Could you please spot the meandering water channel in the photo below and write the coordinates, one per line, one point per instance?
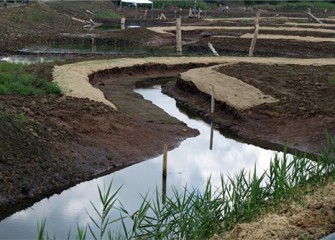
(191, 164)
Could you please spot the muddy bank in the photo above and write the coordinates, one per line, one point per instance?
(301, 118)
(300, 89)
(50, 147)
(117, 85)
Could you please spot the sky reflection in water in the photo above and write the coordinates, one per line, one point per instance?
(192, 164)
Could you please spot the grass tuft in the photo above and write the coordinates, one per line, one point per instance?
(331, 80)
(14, 79)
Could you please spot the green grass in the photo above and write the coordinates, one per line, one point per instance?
(331, 80)
(304, 5)
(107, 14)
(199, 215)
(21, 118)
(14, 79)
(186, 4)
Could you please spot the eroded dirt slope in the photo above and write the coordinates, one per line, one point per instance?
(56, 142)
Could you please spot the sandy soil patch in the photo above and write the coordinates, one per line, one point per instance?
(169, 29)
(286, 37)
(234, 92)
(314, 220)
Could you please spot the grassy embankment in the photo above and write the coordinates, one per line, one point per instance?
(17, 79)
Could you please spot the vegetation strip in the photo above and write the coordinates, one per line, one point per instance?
(15, 79)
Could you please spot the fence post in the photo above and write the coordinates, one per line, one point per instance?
(254, 39)
(164, 175)
(178, 36)
(212, 99)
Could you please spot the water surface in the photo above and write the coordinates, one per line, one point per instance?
(28, 59)
(99, 49)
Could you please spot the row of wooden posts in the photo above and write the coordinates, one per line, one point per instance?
(179, 40)
(252, 45)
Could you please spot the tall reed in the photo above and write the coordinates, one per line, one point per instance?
(192, 214)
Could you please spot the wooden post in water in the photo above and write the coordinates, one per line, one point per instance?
(94, 47)
(254, 39)
(211, 137)
(164, 175)
(123, 23)
(212, 99)
(212, 111)
(165, 159)
(178, 36)
(164, 189)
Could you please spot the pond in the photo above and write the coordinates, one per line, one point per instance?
(191, 164)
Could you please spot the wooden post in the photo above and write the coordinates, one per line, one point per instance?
(164, 180)
(312, 17)
(123, 23)
(254, 39)
(212, 99)
(165, 159)
(213, 49)
(212, 111)
(94, 47)
(178, 36)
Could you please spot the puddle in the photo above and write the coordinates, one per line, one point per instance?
(99, 50)
(191, 164)
(28, 59)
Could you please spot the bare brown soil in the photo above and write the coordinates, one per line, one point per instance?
(69, 140)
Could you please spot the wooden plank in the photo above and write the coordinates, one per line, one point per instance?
(312, 16)
(213, 49)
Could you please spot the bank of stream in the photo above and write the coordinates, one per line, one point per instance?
(192, 163)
